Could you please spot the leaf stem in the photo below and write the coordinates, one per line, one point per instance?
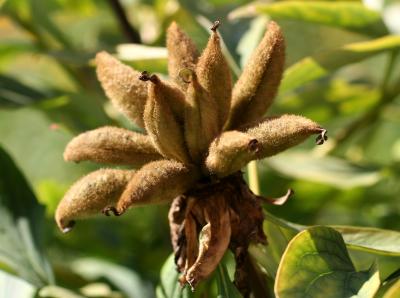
(387, 96)
(130, 32)
(253, 177)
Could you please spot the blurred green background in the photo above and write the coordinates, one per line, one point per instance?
(342, 70)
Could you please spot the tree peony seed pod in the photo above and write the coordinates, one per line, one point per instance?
(201, 120)
(163, 128)
(157, 182)
(214, 75)
(112, 145)
(90, 195)
(122, 85)
(231, 151)
(182, 53)
(256, 88)
(277, 134)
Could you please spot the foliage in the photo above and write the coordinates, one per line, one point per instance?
(342, 70)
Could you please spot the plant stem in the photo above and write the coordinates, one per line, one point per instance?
(387, 96)
(253, 177)
(130, 33)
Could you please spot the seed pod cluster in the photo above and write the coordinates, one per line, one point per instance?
(198, 136)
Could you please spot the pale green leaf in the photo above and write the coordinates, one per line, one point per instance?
(124, 279)
(21, 219)
(226, 289)
(169, 286)
(323, 63)
(57, 292)
(11, 286)
(343, 14)
(329, 170)
(375, 240)
(316, 264)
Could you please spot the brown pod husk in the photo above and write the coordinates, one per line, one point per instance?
(231, 151)
(161, 125)
(90, 194)
(214, 75)
(112, 145)
(122, 85)
(214, 239)
(258, 85)
(172, 95)
(201, 120)
(157, 182)
(277, 134)
(182, 53)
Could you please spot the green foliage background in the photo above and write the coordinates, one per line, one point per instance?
(342, 70)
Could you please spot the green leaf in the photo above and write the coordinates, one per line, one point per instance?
(316, 264)
(278, 236)
(321, 64)
(21, 226)
(151, 59)
(15, 93)
(57, 292)
(343, 14)
(393, 291)
(15, 287)
(124, 279)
(226, 289)
(327, 169)
(372, 240)
(169, 286)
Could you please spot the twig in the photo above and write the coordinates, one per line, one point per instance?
(387, 96)
(130, 33)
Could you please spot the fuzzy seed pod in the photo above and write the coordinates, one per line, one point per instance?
(163, 128)
(277, 134)
(214, 75)
(231, 151)
(201, 120)
(112, 145)
(122, 85)
(182, 53)
(157, 182)
(256, 88)
(214, 239)
(89, 195)
(172, 95)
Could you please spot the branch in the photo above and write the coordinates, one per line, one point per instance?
(130, 33)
